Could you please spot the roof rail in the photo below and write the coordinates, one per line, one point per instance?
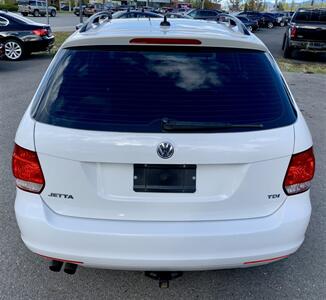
(105, 16)
(96, 20)
(232, 22)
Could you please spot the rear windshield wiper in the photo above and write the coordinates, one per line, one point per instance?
(184, 126)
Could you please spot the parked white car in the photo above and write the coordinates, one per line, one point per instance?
(163, 146)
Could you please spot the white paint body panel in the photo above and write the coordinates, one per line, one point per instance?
(235, 173)
(181, 246)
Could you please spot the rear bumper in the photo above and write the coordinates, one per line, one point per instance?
(43, 44)
(314, 46)
(156, 246)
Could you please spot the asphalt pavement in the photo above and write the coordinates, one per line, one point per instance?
(24, 275)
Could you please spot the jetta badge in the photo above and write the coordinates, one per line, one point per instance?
(165, 150)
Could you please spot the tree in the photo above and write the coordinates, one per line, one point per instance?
(251, 5)
(256, 5)
(280, 6)
(234, 5)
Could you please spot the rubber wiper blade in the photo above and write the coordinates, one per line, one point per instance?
(184, 126)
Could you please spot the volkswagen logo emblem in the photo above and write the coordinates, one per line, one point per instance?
(165, 150)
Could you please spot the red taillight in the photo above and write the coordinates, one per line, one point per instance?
(300, 172)
(40, 32)
(165, 41)
(27, 170)
(293, 31)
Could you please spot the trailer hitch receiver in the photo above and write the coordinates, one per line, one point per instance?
(163, 277)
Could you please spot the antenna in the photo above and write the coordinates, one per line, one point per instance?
(165, 22)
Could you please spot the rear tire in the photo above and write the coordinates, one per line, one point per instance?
(36, 13)
(282, 24)
(14, 50)
(53, 13)
(250, 28)
(270, 25)
(287, 50)
(24, 14)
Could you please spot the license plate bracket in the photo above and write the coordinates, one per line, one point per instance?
(164, 178)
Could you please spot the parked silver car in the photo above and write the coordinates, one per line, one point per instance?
(35, 8)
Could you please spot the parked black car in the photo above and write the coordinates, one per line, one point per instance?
(174, 15)
(282, 18)
(64, 7)
(76, 10)
(2, 50)
(306, 31)
(124, 14)
(204, 14)
(254, 16)
(125, 7)
(264, 19)
(270, 20)
(250, 24)
(288, 15)
(22, 36)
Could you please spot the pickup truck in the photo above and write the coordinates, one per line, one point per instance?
(306, 31)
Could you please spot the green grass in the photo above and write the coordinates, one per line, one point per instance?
(286, 65)
(60, 37)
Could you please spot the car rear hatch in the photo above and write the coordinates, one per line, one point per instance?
(102, 120)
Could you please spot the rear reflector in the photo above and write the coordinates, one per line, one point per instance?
(60, 259)
(265, 260)
(160, 41)
(300, 172)
(27, 170)
(40, 32)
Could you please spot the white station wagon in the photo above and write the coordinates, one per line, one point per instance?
(163, 146)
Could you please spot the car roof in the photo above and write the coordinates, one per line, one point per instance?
(121, 31)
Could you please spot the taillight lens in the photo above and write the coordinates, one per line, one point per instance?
(27, 170)
(293, 31)
(300, 172)
(40, 32)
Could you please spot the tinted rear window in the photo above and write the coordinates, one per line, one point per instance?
(133, 89)
(310, 16)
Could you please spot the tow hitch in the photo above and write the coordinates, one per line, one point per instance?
(163, 277)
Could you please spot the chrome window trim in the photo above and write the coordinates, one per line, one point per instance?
(5, 20)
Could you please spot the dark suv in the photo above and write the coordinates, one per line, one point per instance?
(35, 8)
(306, 31)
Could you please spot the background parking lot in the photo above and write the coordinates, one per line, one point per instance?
(24, 275)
